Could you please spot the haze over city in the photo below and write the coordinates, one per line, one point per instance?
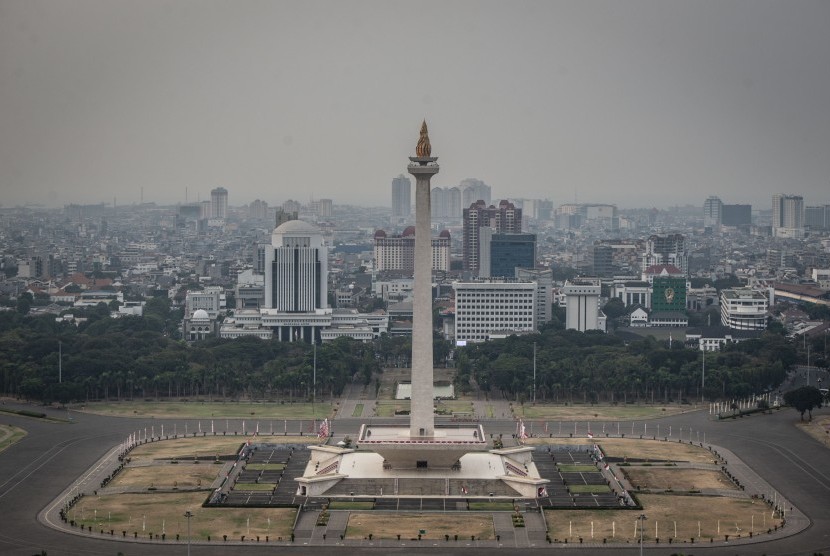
(636, 103)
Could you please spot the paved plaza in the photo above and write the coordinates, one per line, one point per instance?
(57, 459)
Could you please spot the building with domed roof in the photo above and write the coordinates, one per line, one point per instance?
(296, 282)
(199, 326)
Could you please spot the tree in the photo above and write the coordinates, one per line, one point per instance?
(804, 399)
(614, 308)
(23, 305)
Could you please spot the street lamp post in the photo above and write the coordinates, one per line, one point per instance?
(188, 514)
(314, 385)
(534, 372)
(808, 363)
(641, 518)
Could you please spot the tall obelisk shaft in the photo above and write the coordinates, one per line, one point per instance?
(421, 419)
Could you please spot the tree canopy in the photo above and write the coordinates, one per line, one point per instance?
(804, 399)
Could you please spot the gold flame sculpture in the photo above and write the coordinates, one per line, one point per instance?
(423, 149)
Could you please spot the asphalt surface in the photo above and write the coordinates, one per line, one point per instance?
(55, 456)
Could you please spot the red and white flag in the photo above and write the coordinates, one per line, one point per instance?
(590, 434)
(324, 429)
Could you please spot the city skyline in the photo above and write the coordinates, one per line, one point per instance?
(638, 104)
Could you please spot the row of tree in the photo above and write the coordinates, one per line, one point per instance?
(136, 357)
(593, 367)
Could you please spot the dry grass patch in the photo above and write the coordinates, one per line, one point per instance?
(154, 513)
(388, 526)
(168, 476)
(717, 517)
(652, 450)
(184, 448)
(209, 410)
(561, 412)
(9, 434)
(389, 408)
(677, 479)
(818, 428)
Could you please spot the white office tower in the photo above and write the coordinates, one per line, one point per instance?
(296, 269)
(582, 309)
(744, 309)
(401, 197)
(788, 216)
(489, 309)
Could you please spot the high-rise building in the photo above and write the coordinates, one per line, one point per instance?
(219, 203)
(258, 210)
(712, 212)
(397, 253)
(505, 218)
(544, 291)
(401, 197)
(743, 309)
(736, 215)
(666, 249)
(502, 254)
(445, 202)
(210, 300)
(322, 208)
(817, 218)
(296, 269)
(281, 217)
(602, 260)
(291, 206)
(473, 190)
(572, 216)
(582, 310)
(490, 307)
(787, 216)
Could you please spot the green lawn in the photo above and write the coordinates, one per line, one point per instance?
(265, 466)
(589, 489)
(576, 468)
(347, 505)
(491, 506)
(208, 410)
(358, 410)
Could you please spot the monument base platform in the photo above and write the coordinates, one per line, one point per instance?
(346, 473)
(443, 449)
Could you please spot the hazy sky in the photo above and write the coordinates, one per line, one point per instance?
(638, 103)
